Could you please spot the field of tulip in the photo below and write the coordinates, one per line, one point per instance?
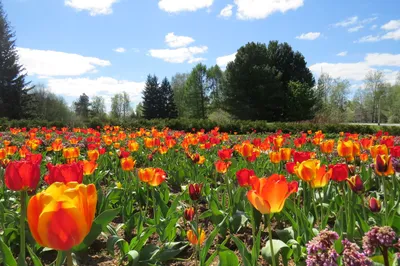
(114, 196)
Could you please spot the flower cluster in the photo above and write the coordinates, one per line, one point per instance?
(378, 237)
(352, 255)
(320, 249)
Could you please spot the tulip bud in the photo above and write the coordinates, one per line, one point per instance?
(189, 214)
(195, 191)
(356, 184)
(374, 205)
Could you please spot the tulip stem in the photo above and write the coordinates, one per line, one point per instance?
(69, 258)
(22, 255)
(386, 201)
(270, 239)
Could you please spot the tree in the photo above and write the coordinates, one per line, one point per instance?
(14, 97)
(98, 107)
(82, 106)
(197, 91)
(215, 80)
(167, 93)
(151, 98)
(49, 106)
(139, 110)
(116, 106)
(259, 83)
(179, 88)
(375, 86)
(253, 87)
(126, 105)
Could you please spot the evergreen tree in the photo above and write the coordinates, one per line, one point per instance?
(151, 98)
(82, 106)
(197, 90)
(170, 110)
(14, 97)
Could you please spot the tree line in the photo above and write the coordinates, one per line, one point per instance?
(264, 82)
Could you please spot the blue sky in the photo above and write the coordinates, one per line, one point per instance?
(103, 47)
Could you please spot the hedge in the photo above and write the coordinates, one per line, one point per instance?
(238, 126)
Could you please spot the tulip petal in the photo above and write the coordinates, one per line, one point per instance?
(259, 203)
(35, 208)
(60, 225)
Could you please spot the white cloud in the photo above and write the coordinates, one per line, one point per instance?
(226, 12)
(344, 53)
(357, 71)
(223, 61)
(95, 7)
(374, 27)
(175, 41)
(52, 63)
(102, 86)
(347, 22)
(174, 6)
(369, 38)
(393, 35)
(260, 9)
(383, 59)
(309, 36)
(180, 55)
(391, 25)
(120, 50)
(356, 28)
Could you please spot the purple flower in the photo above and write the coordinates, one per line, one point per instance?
(320, 249)
(378, 237)
(352, 255)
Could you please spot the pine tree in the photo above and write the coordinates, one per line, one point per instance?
(151, 96)
(170, 110)
(82, 106)
(14, 97)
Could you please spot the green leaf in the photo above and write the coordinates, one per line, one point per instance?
(115, 240)
(99, 225)
(244, 252)
(148, 252)
(35, 259)
(278, 246)
(285, 234)
(6, 254)
(227, 257)
(133, 257)
(170, 250)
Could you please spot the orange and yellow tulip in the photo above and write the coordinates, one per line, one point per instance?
(268, 195)
(93, 155)
(307, 170)
(327, 146)
(61, 216)
(286, 153)
(275, 157)
(152, 176)
(89, 167)
(222, 166)
(379, 150)
(193, 238)
(128, 163)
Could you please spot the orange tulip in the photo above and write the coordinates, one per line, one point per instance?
(127, 163)
(268, 195)
(11, 150)
(286, 153)
(89, 167)
(61, 216)
(278, 141)
(93, 155)
(383, 165)
(193, 238)
(152, 176)
(327, 146)
(366, 143)
(322, 177)
(345, 148)
(364, 157)
(57, 145)
(133, 146)
(275, 157)
(222, 166)
(197, 158)
(71, 154)
(307, 170)
(3, 154)
(378, 150)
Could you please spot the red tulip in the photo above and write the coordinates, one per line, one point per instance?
(301, 156)
(340, 172)
(290, 167)
(225, 154)
(195, 191)
(374, 204)
(243, 176)
(64, 173)
(24, 174)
